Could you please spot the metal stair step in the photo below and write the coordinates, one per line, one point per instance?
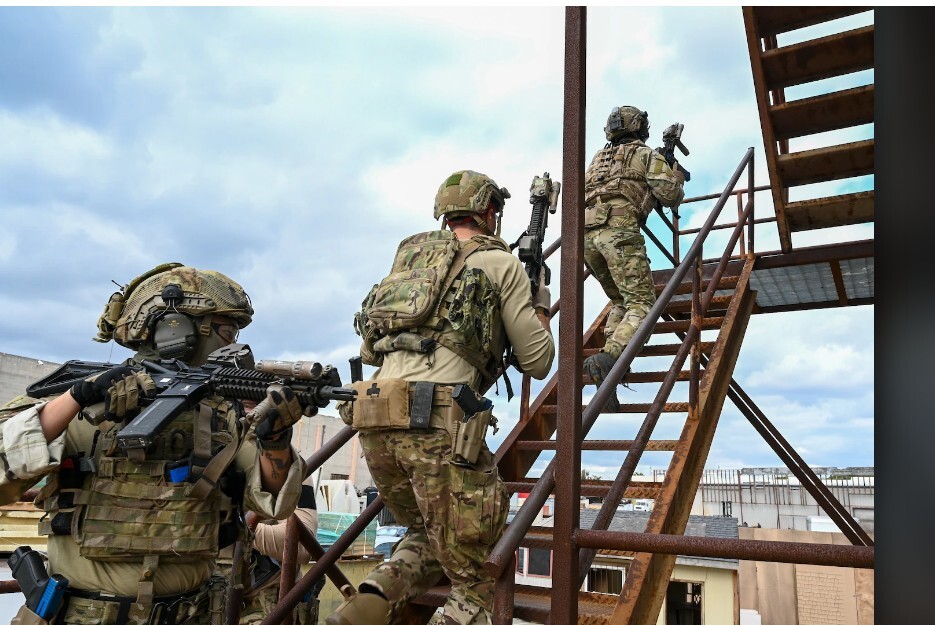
(595, 488)
(822, 113)
(598, 445)
(774, 20)
(838, 210)
(640, 377)
(816, 59)
(822, 164)
(685, 305)
(684, 288)
(668, 349)
(708, 323)
(550, 409)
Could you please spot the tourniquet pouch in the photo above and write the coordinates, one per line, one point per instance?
(25, 616)
(478, 504)
(470, 437)
(130, 509)
(382, 404)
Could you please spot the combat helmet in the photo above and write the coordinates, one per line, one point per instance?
(627, 120)
(468, 193)
(168, 308)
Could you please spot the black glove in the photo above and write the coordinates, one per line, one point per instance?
(275, 431)
(119, 388)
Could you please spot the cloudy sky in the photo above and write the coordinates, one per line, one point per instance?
(293, 148)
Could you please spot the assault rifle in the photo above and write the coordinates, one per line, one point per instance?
(671, 139)
(543, 195)
(229, 372)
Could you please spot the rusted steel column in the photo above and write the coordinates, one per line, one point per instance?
(568, 427)
(289, 556)
(743, 245)
(503, 593)
(752, 215)
(335, 551)
(858, 557)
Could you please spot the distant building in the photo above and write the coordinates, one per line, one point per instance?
(773, 498)
(701, 590)
(18, 372)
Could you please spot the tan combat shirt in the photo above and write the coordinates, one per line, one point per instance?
(532, 344)
(28, 457)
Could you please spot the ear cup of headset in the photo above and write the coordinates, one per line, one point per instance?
(175, 336)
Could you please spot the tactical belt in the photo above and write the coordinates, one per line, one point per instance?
(423, 396)
(615, 211)
(170, 604)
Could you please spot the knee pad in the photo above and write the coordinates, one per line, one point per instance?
(364, 608)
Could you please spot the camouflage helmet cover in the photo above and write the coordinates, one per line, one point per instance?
(468, 193)
(627, 120)
(126, 317)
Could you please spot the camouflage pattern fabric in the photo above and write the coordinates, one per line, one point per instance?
(474, 312)
(454, 514)
(616, 255)
(81, 611)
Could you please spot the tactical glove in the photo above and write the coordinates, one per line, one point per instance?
(275, 431)
(119, 388)
(542, 299)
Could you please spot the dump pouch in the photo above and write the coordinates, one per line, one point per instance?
(382, 404)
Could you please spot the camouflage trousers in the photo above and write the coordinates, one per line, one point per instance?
(454, 514)
(616, 255)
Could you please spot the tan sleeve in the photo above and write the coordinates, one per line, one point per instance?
(271, 537)
(25, 455)
(661, 179)
(256, 499)
(532, 344)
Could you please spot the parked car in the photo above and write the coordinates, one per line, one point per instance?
(388, 535)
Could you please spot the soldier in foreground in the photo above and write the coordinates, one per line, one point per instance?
(135, 539)
(622, 185)
(437, 327)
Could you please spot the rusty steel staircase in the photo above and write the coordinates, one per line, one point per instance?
(717, 296)
(776, 68)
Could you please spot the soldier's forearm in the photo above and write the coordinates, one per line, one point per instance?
(274, 467)
(55, 416)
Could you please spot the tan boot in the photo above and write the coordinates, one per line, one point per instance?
(364, 608)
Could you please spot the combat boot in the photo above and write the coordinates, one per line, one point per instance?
(364, 608)
(597, 367)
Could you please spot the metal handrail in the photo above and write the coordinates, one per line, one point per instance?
(504, 548)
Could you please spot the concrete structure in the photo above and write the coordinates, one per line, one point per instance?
(347, 464)
(18, 372)
(804, 594)
(701, 590)
(773, 497)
